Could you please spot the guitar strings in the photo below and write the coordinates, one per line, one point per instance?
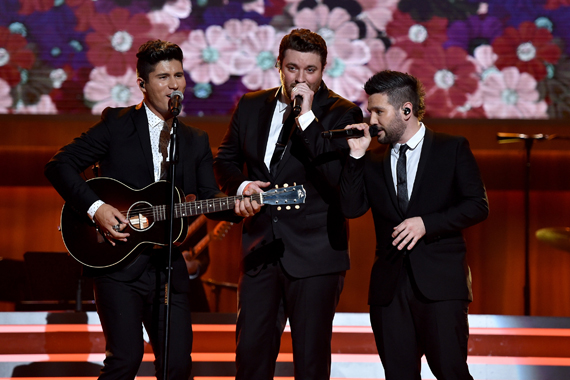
(196, 205)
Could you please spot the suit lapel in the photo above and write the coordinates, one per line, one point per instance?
(319, 99)
(264, 125)
(141, 125)
(388, 178)
(426, 149)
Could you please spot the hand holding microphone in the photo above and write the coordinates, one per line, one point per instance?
(349, 133)
(301, 93)
(297, 104)
(355, 136)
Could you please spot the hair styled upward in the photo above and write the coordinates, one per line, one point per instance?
(305, 41)
(400, 88)
(152, 52)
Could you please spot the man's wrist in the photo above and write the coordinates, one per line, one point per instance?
(94, 207)
(357, 154)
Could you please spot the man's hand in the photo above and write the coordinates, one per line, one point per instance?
(408, 233)
(303, 90)
(246, 207)
(111, 222)
(359, 145)
(192, 265)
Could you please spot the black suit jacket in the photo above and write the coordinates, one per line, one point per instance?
(120, 143)
(448, 195)
(312, 239)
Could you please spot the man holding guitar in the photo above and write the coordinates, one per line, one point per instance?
(129, 146)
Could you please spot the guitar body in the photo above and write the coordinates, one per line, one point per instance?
(88, 246)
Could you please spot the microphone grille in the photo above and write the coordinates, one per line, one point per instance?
(177, 93)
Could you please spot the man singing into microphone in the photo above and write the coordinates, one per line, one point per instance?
(294, 259)
(131, 145)
(424, 189)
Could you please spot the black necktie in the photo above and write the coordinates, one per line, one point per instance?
(402, 179)
(282, 141)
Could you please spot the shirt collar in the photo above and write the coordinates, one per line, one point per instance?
(153, 120)
(414, 141)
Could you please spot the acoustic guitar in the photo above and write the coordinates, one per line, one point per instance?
(148, 218)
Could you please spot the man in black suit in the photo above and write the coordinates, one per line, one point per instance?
(294, 260)
(131, 146)
(423, 191)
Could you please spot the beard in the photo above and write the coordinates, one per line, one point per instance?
(393, 132)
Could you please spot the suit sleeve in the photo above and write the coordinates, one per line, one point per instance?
(229, 161)
(354, 202)
(472, 206)
(327, 154)
(65, 168)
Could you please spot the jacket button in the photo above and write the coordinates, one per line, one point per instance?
(275, 219)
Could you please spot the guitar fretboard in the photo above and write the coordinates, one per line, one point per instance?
(207, 206)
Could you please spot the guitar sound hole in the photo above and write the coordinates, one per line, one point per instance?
(140, 216)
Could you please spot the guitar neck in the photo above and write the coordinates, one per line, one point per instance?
(207, 206)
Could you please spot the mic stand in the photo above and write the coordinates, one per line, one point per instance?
(167, 292)
(505, 138)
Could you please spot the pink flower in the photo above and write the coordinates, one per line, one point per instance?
(44, 107)
(208, 56)
(345, 72)
(331, 25)
(116, 40)
(376, 15)
(393, 59)
(170, 14)
(257, 57)
(254, 6)
(106, 90)
(484, 59)
(5, 98)
(511, 94)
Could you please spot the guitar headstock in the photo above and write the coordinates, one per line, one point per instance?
(285, 196)
(221, 230)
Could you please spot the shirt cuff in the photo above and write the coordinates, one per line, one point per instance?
(305, 120)
(94, 207)
(242, 186)
(356, 157)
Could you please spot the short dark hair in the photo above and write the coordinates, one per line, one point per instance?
(152, 52)
(305, 41)
(400, 88)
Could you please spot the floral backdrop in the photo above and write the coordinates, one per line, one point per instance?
(493, 59)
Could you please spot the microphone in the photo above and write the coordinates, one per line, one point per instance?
(297, 104)
(176, 102)
(349, 133)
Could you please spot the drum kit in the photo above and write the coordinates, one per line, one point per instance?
(557, 237)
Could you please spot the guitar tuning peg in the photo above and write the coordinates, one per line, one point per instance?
(285, 185)
(278, 208)
(294, 183)
(288, 207)
(276, 186)
(297, 207)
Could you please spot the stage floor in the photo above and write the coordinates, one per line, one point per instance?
(69, 345)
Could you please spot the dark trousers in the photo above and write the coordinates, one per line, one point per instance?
(265, 302)
(124, 307)
(411, 326)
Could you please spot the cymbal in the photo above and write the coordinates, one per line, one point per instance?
(558, 237)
